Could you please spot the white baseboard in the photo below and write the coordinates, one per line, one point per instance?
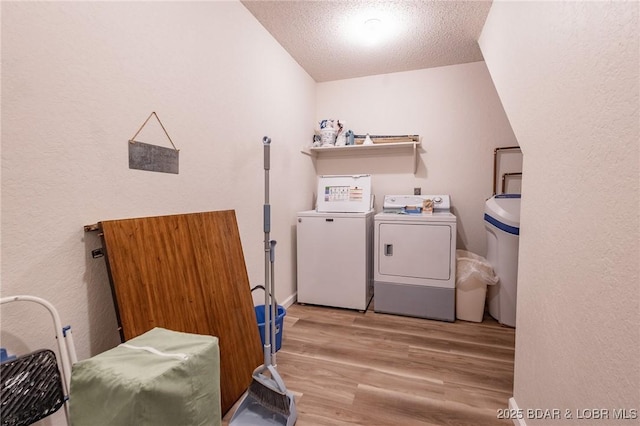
(513, 407)
(290, 300)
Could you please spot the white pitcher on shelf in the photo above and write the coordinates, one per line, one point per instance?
(328, 136)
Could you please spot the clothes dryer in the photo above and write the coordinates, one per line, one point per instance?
(414, 258)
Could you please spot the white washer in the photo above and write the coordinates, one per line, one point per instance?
(414, 258)
(335, 262)
(335, 244)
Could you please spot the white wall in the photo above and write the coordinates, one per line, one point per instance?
(458, 115)
(567, 74)
(78, 80)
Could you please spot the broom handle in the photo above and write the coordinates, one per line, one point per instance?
(266, 141)
(272, 324)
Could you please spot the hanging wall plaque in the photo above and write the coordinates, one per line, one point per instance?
(153, 158)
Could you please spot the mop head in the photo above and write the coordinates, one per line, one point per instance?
(271, 393)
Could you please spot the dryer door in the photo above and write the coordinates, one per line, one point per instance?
(414, 250)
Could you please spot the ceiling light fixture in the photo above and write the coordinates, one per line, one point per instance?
(372, 24)
(371, 27)
(372, 30)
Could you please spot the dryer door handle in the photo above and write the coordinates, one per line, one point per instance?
(388, 249)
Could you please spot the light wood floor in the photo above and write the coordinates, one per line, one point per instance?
(351, 368)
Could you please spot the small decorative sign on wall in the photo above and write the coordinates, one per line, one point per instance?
(153, 158)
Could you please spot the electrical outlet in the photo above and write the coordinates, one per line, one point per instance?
(417, 191)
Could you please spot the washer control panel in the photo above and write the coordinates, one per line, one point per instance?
(399, 202)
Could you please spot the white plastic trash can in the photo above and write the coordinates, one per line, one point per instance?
(473, 274)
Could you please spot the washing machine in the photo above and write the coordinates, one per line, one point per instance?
(335, 244)
(414, 257)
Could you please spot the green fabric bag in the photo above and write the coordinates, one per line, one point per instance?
(161, 377)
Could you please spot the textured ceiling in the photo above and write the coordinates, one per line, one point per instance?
(322, 36)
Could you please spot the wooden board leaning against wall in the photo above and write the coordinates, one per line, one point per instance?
(186, 273)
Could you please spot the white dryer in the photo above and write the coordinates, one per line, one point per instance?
(414, 257)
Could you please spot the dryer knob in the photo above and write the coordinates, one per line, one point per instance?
(437, 200)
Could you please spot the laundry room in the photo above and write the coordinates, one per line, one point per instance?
(459, 119)
(85, 84)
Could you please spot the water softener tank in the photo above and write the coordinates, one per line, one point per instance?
(502, 222)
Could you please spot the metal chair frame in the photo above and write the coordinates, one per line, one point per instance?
(64, 338)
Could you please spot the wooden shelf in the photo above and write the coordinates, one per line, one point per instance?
(365, 149)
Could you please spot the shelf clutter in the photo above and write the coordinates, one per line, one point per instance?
(375, 142)
(382, 139)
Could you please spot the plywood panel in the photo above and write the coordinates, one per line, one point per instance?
(186, 273)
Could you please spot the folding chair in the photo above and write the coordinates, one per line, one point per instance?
(32, 386)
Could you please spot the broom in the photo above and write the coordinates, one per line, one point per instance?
(270, 392)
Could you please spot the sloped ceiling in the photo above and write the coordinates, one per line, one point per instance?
(325, 37)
